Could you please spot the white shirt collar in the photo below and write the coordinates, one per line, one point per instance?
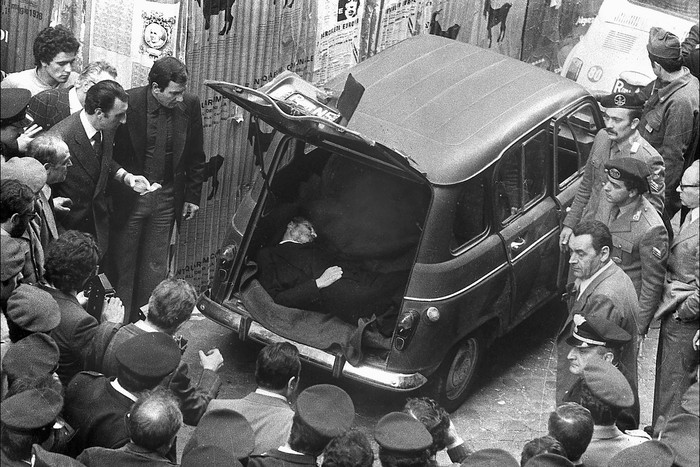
(89, 129)
(289, 450)
(145, 326)
(118, 387)
(263, 392)
(73, 101)
(585, 283)
(693, 214)
(289, 240)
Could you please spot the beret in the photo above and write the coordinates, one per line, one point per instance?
(327, 409)
(491, 458)
(628, 168)
(224, 428)
(622, 100)
(14, 101)
(12, 259)
(209, 456)
(691, 399)
(681, 435)
(663, 44)
(35, 355)
(25, 170)
(593, 330)
(31, 409)
(649, 454)
(33, 309)
(549, 460)
(608, 384)
(400, 432)
(149, 355)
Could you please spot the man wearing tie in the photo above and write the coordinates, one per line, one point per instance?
(676, 360)
(89, 135)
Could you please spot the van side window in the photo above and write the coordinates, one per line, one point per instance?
(575, 135)
(470, 220)
(521, 176)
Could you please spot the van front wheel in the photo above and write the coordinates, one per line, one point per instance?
(451, 383)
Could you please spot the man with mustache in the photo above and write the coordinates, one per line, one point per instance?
(620, 138)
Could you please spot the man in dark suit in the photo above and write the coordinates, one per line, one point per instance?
(600, 289)
(53, 105)
(89, 136)
(163, 140)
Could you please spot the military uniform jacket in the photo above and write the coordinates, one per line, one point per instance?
(608, 441)
(277, 458)
(130, 455)
(668, 122)
(589, 199)
(640, 248)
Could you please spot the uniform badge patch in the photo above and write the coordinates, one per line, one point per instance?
(658, 252)
(653, 184)
(648, 128)
(617, 259)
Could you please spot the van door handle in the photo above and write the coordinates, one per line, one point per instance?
(517, 244)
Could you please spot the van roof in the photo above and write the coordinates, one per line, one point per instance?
(452, 107)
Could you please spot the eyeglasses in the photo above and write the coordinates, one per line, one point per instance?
(683, 187)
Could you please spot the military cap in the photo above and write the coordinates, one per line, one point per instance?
(594, 330)
(691, 399)
(681, 434)
(31, 409)
(651, 453)
(209, 456)
(226, 429)
(628, 168)
(12, 258)
(400, 432)
(490, 458)
(13, 104)
(663, 44)
(608, 384)
(25, 170)
(549, 460)
(630, 82)
(33, 309)
(35, 355)
(149, 355)
(622, 100)
(327, 409)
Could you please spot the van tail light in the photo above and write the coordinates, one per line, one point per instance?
(405, 328)
(574, 69)
(224, 262)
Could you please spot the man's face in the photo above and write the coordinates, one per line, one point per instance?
(351, 9)
(618, 124)
(580, 356)
(688, 188)
(584, 260)
(10, 133)
(56, 173)
(617, 193)
(303, 233)
(170, 96)
(91, 80)
(112, 119)
(21, 221)
(60, 67)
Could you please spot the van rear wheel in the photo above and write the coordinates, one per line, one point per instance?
(451, 383)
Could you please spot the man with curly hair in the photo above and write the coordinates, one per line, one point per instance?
(55, 50)
(349, 450)
(70, 261)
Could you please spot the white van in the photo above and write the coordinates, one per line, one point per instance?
(616, 41)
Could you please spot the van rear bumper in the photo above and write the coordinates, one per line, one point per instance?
(237, 319)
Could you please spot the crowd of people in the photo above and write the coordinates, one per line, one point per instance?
(102, 177)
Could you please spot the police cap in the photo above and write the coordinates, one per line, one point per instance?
(400, 432)
(608, 384)
(593, 330)
(226, 429)
(651, 453)
(681, 434)
(490, 458)
(149, 355)
(13, 105)
(31, 409)
(327, 409)
(663, 44)
(209, 456)
(622, 100)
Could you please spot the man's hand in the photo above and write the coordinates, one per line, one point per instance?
(564, 237)
(61, 204)
(113, 310)
(329, 276)
(138, 183)
(25, 138)
(189, 210)
(212, 360)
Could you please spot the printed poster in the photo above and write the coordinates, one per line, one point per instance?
(337, 38)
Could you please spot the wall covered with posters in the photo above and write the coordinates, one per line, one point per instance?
(20, 22)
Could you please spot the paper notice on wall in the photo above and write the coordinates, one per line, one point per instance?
(337, 38)
(400, 20)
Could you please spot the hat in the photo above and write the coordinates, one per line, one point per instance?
(549, 460)
(691, 399)
(649, 454)
(208, 456)
(622, 100)
(663, 44)
(35, 355)
(224, 428)
(400, 432)
(26, 170)
(681, 434)
(13, 104)
(490, 458)
(327, 409)
(608, 384)
(630, 82)
(31, 409)
(33, 309)
(150, 355)
(12, 259)
(593, 330)
(628, 168)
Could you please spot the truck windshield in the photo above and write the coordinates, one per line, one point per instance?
(686, 8)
